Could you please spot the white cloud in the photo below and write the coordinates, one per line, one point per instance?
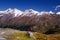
(57, 7)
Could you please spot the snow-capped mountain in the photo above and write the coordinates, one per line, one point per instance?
(30, 12)
(14, 11)
(45, 12)
(16, 16)
(51, 12)
(17, 12)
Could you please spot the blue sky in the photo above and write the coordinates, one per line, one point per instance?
(39, 5)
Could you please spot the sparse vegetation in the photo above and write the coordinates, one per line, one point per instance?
(38, 36)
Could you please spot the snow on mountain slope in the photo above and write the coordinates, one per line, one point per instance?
(58, 13)
(9, 10)
(30, 12)
(51, 12)
(45, 12)
(12, 14)
(15, 12)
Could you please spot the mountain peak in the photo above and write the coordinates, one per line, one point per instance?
(30, 12)
(9, 9)
(51, 12)
(14, 11)
(17, 12)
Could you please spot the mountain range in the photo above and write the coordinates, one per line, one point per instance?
(14, 18)
(29, 12)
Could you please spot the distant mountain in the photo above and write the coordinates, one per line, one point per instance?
(42, 21)
(15, 12)
(30, 12)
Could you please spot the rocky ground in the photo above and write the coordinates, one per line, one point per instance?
(5, 32)
(12, 34)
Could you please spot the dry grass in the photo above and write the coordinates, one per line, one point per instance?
(22, 35)
(38, 36)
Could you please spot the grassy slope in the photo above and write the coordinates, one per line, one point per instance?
(23, 36)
